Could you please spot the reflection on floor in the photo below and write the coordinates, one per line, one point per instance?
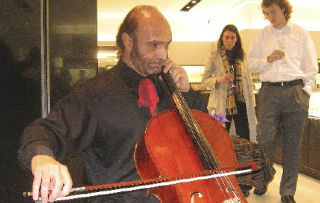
(308, 190)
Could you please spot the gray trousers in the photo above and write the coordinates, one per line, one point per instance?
(283, 111)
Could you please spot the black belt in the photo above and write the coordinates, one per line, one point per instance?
(285, 83)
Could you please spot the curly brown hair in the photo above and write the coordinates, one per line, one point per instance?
(283, 4)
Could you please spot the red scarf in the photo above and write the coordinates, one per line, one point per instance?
(148, 95)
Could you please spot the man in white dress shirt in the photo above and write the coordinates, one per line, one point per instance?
(284, 55)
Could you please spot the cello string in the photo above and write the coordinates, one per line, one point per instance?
(230, 185)
(226, 179)
(196, 133)
(195, 130)
(232, 189)
(182, 109)
(191, 121)
(223, 192)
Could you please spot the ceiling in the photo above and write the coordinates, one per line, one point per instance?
(111, 12)
(113, 7)
(205, 21)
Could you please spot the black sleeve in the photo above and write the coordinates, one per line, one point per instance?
(67, 129)
(195, 100)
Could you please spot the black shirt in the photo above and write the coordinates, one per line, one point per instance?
(102, 121)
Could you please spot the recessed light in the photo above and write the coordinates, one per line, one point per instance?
(190, 5)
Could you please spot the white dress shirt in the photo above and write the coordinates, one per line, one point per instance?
(300, 61)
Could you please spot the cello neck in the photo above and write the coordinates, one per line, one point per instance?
(204, 150)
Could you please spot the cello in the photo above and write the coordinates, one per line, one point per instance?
(172, 150)
(184, 141)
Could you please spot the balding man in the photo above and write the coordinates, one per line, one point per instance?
(105, 117)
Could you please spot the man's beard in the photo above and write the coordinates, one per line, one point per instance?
(144, 65)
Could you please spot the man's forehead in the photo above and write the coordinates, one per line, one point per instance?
(154, 26)
(154, 34)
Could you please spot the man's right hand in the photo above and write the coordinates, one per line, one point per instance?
(51, 179)
(276, 55)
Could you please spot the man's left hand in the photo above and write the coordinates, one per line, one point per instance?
(178, 74)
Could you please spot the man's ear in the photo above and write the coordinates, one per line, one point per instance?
(127, 42)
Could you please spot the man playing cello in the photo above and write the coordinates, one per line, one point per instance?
(103, 119)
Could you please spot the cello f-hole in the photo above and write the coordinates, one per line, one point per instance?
(195, 195)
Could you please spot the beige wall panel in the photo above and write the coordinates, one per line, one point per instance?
(190, 53)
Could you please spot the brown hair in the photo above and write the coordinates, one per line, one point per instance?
(237, 49)
(283, 4)
(130, 25)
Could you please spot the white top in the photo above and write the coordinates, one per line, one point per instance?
(300, 61)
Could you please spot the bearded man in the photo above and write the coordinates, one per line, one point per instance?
(106, 116)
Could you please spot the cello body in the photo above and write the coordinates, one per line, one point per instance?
(167, 151)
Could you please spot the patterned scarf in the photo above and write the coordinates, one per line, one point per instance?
(232, 92)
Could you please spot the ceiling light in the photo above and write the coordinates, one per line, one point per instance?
(189, 5)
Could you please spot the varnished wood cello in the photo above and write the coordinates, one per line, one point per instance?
(179, 145)
(187, 141)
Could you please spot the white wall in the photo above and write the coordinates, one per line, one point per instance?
(197, 53)
(316, 39)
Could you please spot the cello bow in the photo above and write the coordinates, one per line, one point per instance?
(113, 188)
